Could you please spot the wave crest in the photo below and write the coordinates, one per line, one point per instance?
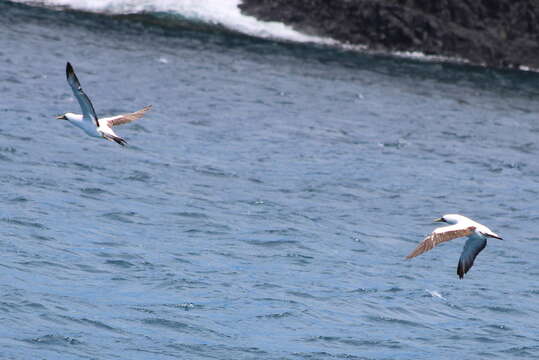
(224, 13)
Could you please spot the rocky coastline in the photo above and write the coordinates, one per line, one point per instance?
(497, 33)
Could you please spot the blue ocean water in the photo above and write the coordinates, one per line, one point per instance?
(263, 208)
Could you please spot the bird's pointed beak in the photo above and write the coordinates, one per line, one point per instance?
(61, 117)
(439, 220)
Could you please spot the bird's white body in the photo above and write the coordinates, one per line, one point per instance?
(459, 222)
(86, 126)
(89, 128)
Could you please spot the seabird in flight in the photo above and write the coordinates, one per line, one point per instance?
(88, 121)
(459, 226)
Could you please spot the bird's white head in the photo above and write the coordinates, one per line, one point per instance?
(451, 218)
(70, 117)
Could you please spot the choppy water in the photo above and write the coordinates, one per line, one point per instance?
(263, 208)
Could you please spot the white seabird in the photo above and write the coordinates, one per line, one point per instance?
(88, 121)
(459, 226)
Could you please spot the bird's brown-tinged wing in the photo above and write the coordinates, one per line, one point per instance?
(439, 236)
(127, 118)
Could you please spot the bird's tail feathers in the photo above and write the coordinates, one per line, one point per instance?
(495, 236)
(116, 139)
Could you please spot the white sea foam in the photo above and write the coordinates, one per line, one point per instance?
(222, 12)
(418, 55)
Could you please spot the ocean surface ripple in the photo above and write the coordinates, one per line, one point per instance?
(263, 208)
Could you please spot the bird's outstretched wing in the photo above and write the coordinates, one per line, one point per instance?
(84, 102)
(438, 236)
(472, 248)
(126, 118)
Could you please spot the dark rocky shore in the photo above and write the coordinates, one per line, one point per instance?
(499, 33)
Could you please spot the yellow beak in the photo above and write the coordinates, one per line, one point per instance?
(439, 220)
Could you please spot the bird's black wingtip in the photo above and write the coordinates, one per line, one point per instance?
(460, 270)
(69, 68)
